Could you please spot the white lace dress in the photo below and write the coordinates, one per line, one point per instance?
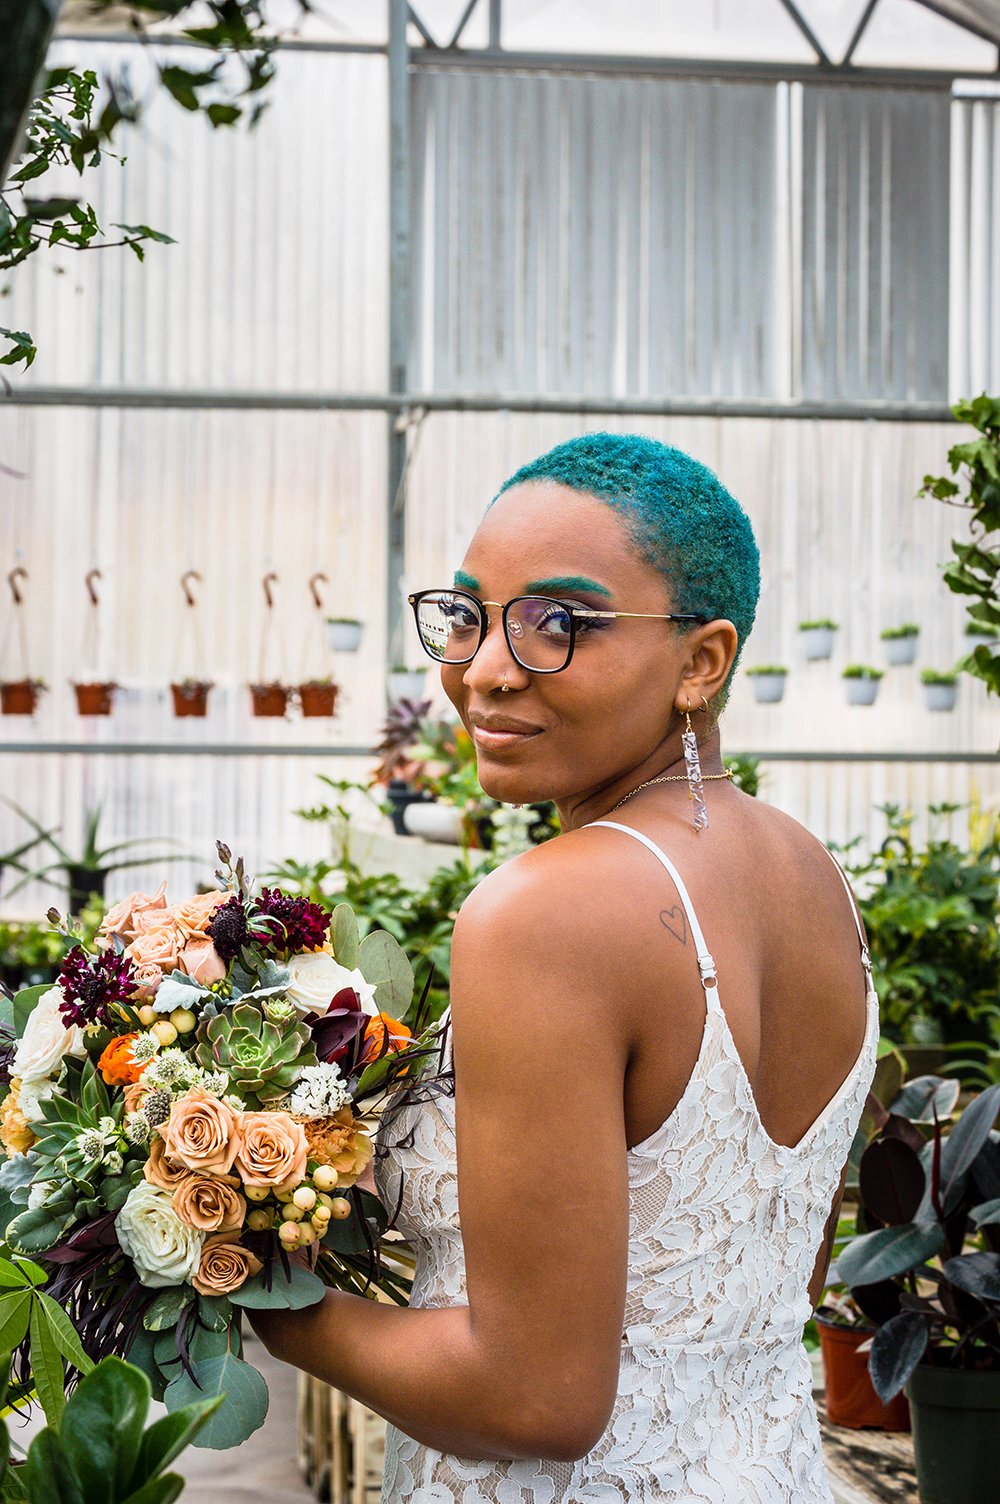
(714, 1401)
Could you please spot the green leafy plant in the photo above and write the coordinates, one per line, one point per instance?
(861, 671)
(930, 913)
(908, 629)
(765, 668)
(92, 862)
(975, 567)
(819, 623)
(925, 1265)
(936, 676)
(746, 773)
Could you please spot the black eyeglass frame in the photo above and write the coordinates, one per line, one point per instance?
(572, 611)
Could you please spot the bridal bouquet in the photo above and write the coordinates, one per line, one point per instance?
(190, 1103)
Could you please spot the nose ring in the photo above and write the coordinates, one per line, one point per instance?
(505, 687)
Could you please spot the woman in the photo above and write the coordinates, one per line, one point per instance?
(645, 1160)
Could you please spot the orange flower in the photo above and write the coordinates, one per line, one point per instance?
(340, 1141)
(225, 1265)
(377, 1031)
(15, 1130)
(117, 1063)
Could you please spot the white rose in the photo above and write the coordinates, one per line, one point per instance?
(32, 1094)
(164, 1250)
(317, 978)
(46, 1040)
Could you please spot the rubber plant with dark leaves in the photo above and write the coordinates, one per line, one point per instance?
(925, 1266)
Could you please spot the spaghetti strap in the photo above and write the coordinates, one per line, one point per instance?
(706, 964)
(866, 959)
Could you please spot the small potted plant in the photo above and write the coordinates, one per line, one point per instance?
(20, 696)
(318, 697)
(406, 683)
(817, 638)
(270, 700)
(343, 633)
(982, 631)
(940, 689)
(190, 697)
(901, 643)
(845, 1336)
(94, 696)
(927, 1275)
(861, 682)
(768, 682)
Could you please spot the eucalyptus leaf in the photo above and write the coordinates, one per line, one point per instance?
(244, 1406)
(382, 961)
(301, 1289)
(344, 935)
(141, 1354)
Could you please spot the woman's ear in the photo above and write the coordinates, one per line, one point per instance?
(713, 648)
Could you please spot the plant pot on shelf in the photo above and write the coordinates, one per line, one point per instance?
(343, 633)
(20, 696)
(956, 1418)
(318, 697)
(406, 684)
(435, 821)
(84, 881)
(190, 697)
(940, 691)
(817, 639)
(851, 1400)
(768, 684)
(900, 644)
(270, 700)
(95, 697)
(861, 684)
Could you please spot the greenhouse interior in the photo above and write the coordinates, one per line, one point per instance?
(291, 293)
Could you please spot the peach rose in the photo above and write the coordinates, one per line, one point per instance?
(148, 977)
(202, 962)
(210, 1203)
(202, 1132)
(15, 1130)
(156, 947)
(340, 1141)
(272, 1149)
(225, 1265)
(160, 1170)
(194, 917)
(122, 918)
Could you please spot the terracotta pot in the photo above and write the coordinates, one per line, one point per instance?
(318, 699)
(851, 1400)
(190, 698)
(270, 699)
(19, 696)
(95, 699)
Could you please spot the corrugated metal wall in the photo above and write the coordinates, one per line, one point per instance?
(975, 222)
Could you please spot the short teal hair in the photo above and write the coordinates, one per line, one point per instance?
(678, 514)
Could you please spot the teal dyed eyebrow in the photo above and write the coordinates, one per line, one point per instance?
(569, 582)
(466, 581)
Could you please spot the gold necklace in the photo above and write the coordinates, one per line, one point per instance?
(669, 778)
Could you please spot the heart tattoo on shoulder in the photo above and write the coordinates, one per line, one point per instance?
(675, 920)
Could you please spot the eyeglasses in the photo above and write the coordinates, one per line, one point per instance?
(541, 632)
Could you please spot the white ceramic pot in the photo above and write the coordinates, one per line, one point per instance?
(861, 691)
(406, 684)
(817, 643)
(343, 636)
(940, 696)
(768, 689)
(900, 651)
(434, 821)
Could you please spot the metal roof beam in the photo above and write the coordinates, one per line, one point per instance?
(859, 32)
(416, 21)
(807, 32)
(463, 23)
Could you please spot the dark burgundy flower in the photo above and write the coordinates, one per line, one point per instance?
(228, 929)
(296, 924)
(92, 985)
(334, 1032)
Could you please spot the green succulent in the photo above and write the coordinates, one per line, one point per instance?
(261, 1060)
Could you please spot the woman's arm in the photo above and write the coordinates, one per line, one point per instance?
(529, 1367)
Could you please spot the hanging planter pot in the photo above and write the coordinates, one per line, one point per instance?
(343, 633)
(270, 700)
(406, 684)
(817, 638)
(20, 696)
(861, 682)
(768, 683)
(940, 690)
(318, 697)
(95, 697)
(901, 644)
(190, 697)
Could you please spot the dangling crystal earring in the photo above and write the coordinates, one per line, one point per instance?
(692, 763)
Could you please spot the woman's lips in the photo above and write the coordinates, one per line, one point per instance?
(500, 741)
